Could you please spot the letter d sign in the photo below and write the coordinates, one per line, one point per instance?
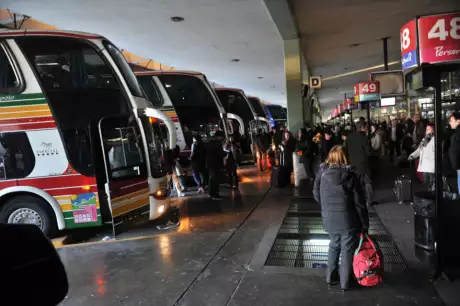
(315, 82)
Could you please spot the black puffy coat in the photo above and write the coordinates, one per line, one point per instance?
(341, 194)
(454, 149)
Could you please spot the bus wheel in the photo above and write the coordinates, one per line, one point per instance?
(29, 210)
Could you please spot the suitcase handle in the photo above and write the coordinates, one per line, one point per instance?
(361, 239)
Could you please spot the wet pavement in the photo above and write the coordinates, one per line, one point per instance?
(147, 266)
(217, 257)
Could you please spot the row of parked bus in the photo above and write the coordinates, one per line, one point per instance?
(84, 141)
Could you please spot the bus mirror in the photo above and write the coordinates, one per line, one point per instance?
(26, 256)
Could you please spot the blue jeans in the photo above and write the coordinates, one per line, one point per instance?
(458, 181)
(199, 178)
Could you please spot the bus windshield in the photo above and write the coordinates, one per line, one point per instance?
(257, 107)
(81, 88)
(195, 107)
(277, 112)
(235, 103)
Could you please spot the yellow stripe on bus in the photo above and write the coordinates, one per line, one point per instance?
(130, 195)
(20, 108)
(22, 115)
(129, 207)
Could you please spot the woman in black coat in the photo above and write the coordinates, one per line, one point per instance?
(286, 163)
(339, 190)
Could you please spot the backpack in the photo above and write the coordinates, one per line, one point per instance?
(368, 262)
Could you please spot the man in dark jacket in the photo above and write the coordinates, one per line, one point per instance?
(358, 146)
(395, 136)
(326, 144)
(262, 146)
(215, 164)
(344, 213)
(454, 149)
(419, 131)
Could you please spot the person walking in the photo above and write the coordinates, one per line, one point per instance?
(262, 146)
(359, 148)
(395, 136)
(286, 148)
(215, 164)
(307, 147)
(198, 161)
(230, 162)
(338, 190)
(376, 149)
(454, 149)
(326, 144)
(425, 152)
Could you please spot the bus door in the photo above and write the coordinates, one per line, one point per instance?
(126, 187)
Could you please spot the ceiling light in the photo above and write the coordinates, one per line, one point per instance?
(235, 60)
(177, 19)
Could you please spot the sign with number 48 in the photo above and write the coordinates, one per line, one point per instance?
(439, 38)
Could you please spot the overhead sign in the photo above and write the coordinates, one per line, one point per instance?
(315, 82)
(408, 37)
(367, 91)
(439, 38)
(349, 104)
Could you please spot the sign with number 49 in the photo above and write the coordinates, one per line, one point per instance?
(367, 91)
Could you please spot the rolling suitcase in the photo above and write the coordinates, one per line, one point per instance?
(403, 189)
(275, 176)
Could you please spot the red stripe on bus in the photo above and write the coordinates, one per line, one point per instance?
(121, 188)
(71, 190)
(6, 184)
(26, 127)
(26, 120)
(61, 181)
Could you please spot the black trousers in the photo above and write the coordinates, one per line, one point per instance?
(232, 176)
(308, 164)
(214, 182)
(344, 245)
(394, 146)
(285, 176)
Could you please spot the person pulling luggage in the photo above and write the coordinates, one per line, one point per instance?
(340, 193)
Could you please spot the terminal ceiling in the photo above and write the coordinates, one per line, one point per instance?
(343, 36)
(212, 34)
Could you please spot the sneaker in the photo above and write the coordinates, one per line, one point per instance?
(200, 190)
(181, 194)
(168, 225)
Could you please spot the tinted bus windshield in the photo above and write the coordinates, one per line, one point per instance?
(195, 107)
(277, 112)
(257, 107)
(235, 103)
(81, 88)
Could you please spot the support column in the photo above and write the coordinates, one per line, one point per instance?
(293, 73)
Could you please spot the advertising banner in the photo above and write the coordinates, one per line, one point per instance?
(439, 38)
(408, 37)
(367, 91)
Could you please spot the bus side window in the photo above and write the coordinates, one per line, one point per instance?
(17, 159)
(9, 80)
(125, 154)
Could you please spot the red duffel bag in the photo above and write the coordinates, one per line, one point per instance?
(368, 262)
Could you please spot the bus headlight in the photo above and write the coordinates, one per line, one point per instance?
(160, 194)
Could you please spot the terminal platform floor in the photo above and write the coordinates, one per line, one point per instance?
(218, 255)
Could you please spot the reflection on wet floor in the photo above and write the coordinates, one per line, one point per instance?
(199, 213)
(148, 266)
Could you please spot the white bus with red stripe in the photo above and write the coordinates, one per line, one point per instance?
(77, 148)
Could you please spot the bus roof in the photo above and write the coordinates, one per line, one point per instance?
(74, 34)
(181, 72)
